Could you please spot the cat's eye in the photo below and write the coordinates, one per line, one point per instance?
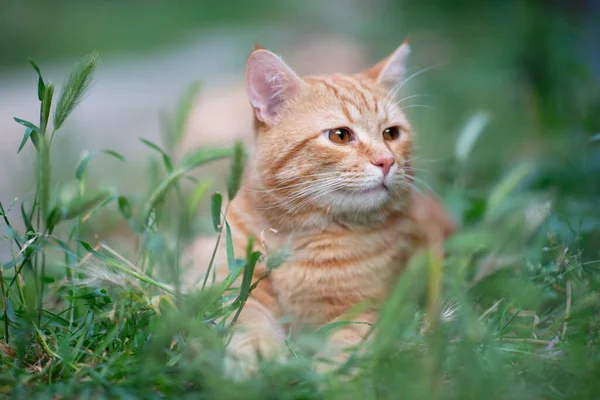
(391, 133)
(340, 135)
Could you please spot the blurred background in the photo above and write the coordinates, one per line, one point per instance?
(528, 72)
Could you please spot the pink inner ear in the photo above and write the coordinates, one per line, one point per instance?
(391, 70)
(395, 68)
(270, 83)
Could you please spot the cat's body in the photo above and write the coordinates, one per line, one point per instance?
(331, 181)
(331, 265)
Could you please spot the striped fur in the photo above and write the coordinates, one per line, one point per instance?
(348, 243)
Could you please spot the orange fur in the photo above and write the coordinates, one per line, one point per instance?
(349, 237)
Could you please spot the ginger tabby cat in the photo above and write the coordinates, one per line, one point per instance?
(332, 175)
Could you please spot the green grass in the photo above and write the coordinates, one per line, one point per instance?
(519, 299)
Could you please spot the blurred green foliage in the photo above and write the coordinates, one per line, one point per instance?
(59, 28)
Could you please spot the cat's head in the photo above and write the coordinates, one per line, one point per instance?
(337, 143)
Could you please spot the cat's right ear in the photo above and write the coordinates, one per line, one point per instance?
(270, 83)
(391, 70)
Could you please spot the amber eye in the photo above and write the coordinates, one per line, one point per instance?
(340, 135)
(391, 133)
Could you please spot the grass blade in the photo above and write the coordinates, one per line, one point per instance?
(195, 197)
(237, 171)
(84, 204)
(203, 156)
(82, 168)
(26, 124)
(28, 132)
(469, 136)
(41, 86)
(216, 202)
(231, 264)
(166, 159)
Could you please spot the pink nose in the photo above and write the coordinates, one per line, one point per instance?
(385, 163)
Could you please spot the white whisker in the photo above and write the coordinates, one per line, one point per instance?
(392, 93)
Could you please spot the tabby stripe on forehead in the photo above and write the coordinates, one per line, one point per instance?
(357, 86)
(336, 87)
(346, 113)
(343, 99)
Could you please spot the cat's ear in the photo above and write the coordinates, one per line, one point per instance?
(391, 69)
(270, 83)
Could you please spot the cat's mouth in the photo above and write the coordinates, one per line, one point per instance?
(379, 188)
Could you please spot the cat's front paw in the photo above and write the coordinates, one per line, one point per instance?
(246, 351)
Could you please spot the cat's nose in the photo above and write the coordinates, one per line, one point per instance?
(385, 163)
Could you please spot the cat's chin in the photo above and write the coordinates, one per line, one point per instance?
(363, 201)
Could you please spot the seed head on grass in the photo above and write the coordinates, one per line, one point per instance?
(75, 87)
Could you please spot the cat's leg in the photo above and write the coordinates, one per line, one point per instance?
(344, 340)
(256, 333)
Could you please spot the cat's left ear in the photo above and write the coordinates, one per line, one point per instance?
(392, 69)
(270, 84)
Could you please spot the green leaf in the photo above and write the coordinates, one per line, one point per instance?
(13, 262)
(229, 247)
(55, 319)
(41, 89)
(26, 220)
(196, 196)
(53, 219)
(237, 171)
(469, 135)
(248, 274)
(28, 132)
(81, 169)
(216, 202)
(35, 67)
(166, 159)
(108, 199)
(251, 260)
(10, 311)
(125, 208)
(87, 247)
(82, 205)
(26, 124)
(35, 139)
(159, 193)
(75, 87)
(41, 86)
(205, 155)
(114, 154)
(46, 105)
